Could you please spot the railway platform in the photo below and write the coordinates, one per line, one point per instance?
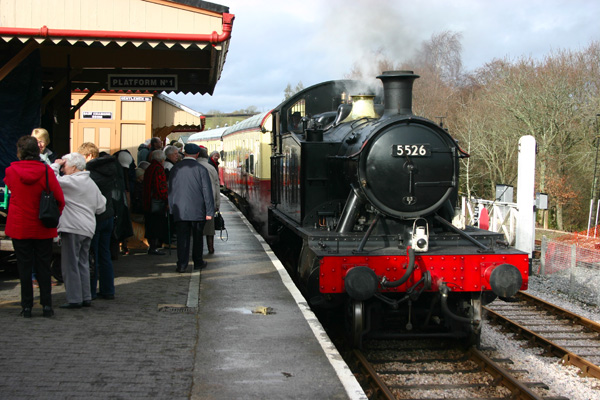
(238, 329)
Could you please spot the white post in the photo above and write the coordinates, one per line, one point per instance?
(543, 255)
(590, 217)
(526, 195)
(596, 226)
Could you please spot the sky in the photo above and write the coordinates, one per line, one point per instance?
(279, 42)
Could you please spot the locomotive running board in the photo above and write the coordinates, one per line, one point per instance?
(463, 234)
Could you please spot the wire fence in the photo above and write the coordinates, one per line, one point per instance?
(572, 261)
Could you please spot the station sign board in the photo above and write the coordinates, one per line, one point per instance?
(142, 82)
(96, 115)
(136, 98)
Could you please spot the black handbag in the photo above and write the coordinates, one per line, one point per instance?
(157, 206)
(49, 212)
(219, 222)
(220, 226)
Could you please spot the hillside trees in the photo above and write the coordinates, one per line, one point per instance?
(544, 99)
(555, 99)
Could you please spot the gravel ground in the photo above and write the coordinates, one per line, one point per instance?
(563, 380)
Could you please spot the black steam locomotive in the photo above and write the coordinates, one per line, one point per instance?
(363, 200)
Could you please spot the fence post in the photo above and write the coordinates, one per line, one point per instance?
(572, 272)
(543, 255)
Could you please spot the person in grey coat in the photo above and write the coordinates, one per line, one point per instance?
(77, 224)
(191, 203)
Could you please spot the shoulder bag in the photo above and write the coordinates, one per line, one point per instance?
(219, 221)
(49, 212)
(157, 206)
(220, 225)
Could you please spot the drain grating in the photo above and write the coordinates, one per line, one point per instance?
(176, 309)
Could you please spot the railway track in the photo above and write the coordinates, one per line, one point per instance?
(568, 336)
(426, 369)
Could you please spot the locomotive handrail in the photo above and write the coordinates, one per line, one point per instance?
(462, 233)
(363, 242)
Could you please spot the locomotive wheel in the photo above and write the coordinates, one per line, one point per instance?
(357, 320)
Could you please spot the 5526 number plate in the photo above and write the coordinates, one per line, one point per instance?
(411, 150)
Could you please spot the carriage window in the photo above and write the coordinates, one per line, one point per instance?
(251, 162)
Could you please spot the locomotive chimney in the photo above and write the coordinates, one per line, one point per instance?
(397, 92)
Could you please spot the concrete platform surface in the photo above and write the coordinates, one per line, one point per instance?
(237, 330)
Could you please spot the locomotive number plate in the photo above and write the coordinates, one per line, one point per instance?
(411, 150)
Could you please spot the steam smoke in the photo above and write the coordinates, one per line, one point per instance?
(363, 34)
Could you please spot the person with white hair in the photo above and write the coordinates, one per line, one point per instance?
(77, 224)
(172, 154)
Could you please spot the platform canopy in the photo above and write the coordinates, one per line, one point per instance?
(153, 45)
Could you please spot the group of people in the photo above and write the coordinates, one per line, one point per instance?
(92, 189)
(180, 188)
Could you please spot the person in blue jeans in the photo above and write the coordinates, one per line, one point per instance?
(103, 171)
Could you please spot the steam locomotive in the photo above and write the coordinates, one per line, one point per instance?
(362, 202)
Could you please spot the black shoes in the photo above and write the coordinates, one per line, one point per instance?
(201, 266)
(156, 252)
(86, 303)
(105, 297)
(71, 305)
(47, 312)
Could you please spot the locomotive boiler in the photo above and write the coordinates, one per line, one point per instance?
(363, 197)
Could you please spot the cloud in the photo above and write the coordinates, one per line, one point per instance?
(279, 42)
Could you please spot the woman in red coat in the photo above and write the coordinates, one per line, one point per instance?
(32, 241)
(155, 187)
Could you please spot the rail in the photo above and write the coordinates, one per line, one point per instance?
(587, 368)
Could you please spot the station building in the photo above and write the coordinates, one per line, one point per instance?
(58, 55)
(121, 121)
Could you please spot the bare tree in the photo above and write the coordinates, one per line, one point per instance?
(289, 92)
(442, 55)
(555, 100)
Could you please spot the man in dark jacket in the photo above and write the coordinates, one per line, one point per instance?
(104, 172)
(143, 151)
(191, 203)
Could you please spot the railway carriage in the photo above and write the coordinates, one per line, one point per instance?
(213, 141)
(246, 167)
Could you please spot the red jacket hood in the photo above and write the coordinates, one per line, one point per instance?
(30, 172)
